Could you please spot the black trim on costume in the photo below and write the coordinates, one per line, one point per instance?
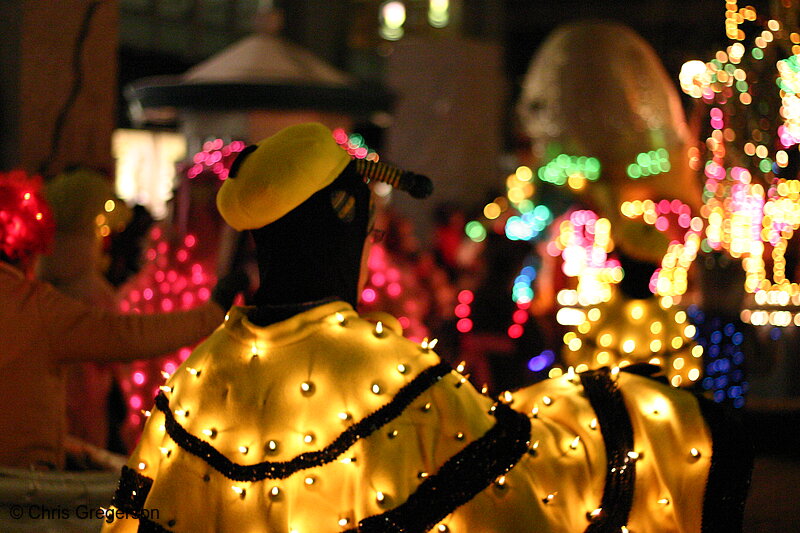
(132, 491)
(148, 526)
(283, 469)
(732, 455)
(615, 425)
(459, 479)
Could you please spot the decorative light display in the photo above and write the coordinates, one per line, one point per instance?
(396, 17)
(670, 280)
(216, 157)
(522, 291)
(570, 169)
(751, 206)
(621, 332)
(528, 223)
(392, 18)
(584, 244)
(170, 281)
(439, 13)
(355, 145)
(722, 344)
(26, 222)
(145, 167)
(649, 164)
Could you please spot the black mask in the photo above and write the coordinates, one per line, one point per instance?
(313, 253)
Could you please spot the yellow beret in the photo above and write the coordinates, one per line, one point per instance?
(78, 196)
(280, 174)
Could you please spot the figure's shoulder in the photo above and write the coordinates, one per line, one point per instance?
(321, 363)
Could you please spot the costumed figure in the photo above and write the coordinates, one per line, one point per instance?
(298, 414)
(85, 211)
(42, 330)
(605, 121)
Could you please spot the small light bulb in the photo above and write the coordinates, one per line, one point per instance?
(695, 452)
(459, 436)
(310, 480)
(574, 444)
(146, 413)
(193, 371)
(594, 514)
(462, 380)
(432, 344)
(501, 481)
(142, 466)
(484, 389)
(244, 449)
(380, 497)
(443, 528)
(424, 344)
(379, 329)
(239, 490)
(508, 397)
(535, 412)
(392, 434)
(308, 438)
(340, 319)
(347, 460)
(307, 388)
(593, 424)
(166, 451)
(534, 448)
(376, 389)
(634, 455)
(425, 408)
(549, 497)
(344, 416)
(210, 433)
(181, 412)
(165, 388)
(663, 501)
(165, 374)
(547, 400)
(344, 521)
(272, 446)
(254, 351)
(461, 366)
(422, 475)
(402, 368)
(274, 492)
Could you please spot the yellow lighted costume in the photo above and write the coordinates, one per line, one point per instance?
(598, 89)
(326, 421)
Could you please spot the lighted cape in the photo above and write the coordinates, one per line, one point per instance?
(327, 422)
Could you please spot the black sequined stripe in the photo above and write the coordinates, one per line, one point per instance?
(284, 469)
(148, 526)
(732, 455)
(132, 491)
(615, 425)
(459, 479)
